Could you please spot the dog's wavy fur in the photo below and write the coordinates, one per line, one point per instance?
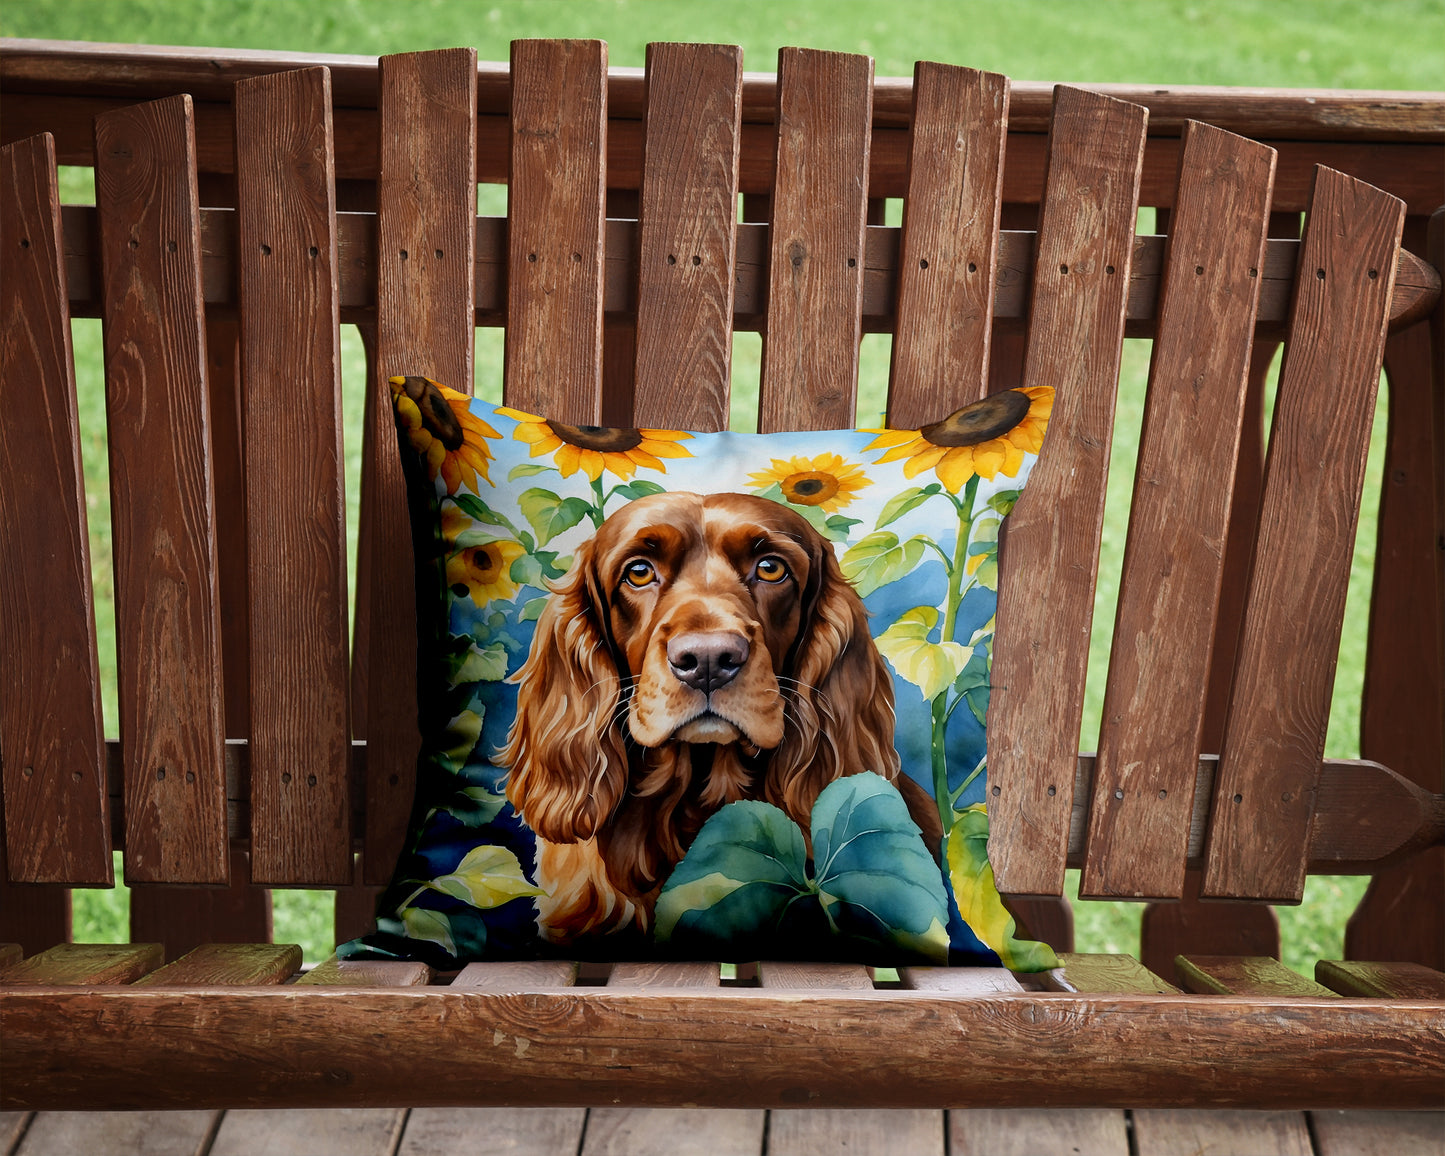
(595, 765)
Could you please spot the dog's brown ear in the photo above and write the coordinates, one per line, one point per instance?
(840, 705)
(566, 755)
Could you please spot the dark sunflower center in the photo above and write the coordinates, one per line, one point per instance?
(597, 437)
(436, 414)
(486, 562)
(980, 422)
(808, 487)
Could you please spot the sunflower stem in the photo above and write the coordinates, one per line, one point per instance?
(941, 710)
(597, 510)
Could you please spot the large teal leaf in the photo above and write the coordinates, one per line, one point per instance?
(876, 879)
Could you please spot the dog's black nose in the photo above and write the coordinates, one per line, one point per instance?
(706, 661)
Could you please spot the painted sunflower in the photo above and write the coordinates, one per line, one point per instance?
(594, 448)
(485, 571)
(988, 438)
(441, 426)
(826, 480)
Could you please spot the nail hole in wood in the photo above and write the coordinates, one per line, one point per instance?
(1163, 794)
(1053, 791)
(923, 263)
(995, 792)
(532, 257)
(1109, 269)
(133, 243)
(577, 257)
(285, 776)
(1254, 272)
(1118, 793)
(972, 268)
(1374, 273)
(672, 259)
(1239, 798)
(265, 250)
(696, 260)
(313, 251)
(76, 775)
(1063, 268)
(25, 242)
(310, 780)
(170, 246)
(1199, 270)
(437, 253)
(1319, 274)
(404, 254)
(852, 262)
(190, 776)
(28, 772)
(160, 774)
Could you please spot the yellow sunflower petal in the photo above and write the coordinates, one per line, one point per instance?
(891, 437)
(662, 449)
(593, 462)
(641, 457)
(671, 435)
(957, 466)
(567, 459)
(991, 457)
(923, 459)
(545, 445)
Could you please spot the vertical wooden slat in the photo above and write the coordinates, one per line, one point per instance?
(1051, 555)
(1275, 733)
(687, 236)
(1153, 714)
(34, 915)
(426, 220)
(286, 218)
(555, 206)
(815, 263)
(946, 268)
(168, 632)
(57, 823)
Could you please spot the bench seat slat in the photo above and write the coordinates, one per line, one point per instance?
(57, 823)
(300, 716)
(78, 964)
(1075, 340)
(814, 976)
(1243, 975)
(184, 918)
(168, 633)
(228, 963)
(1383, 980)
(1095, 972)
(1275, 733)
(1153, 712)
(335, 972)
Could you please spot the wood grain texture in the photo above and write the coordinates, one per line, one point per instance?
(1193, 926)
(228, 963)
(300, 740)
(1400, 914)
(119, 1133)
(183, 917)
(1382, 980)
(515, 1131)
(1242, 975)
(687, 236)
(1173, 1131)
(555, 206)
(34, 915)
(1031, 1131)
(1153, 714)
(10, 953)
(367, 973)
(70, 964)
(57, 823)
(426, 224)
(879, 1132)
(674, 1132)
(814, 976)
(1096, 972)
(526, 975)
(1275, 733)
(669, 975)
(895, 1049)
(1081, 274)
(959, 980)
(947, 267)
(816, 242)
(168, 632)
(322, 1132)
(1345, 1133)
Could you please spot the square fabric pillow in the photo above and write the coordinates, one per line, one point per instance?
(709, 696)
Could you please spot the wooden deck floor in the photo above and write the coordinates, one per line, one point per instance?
(697, 1132)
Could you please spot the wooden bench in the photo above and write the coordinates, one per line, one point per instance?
(247, 204)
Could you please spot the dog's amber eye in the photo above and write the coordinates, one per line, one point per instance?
(772, 569)
(639, 573)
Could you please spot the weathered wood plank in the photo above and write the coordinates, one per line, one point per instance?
(317, 1132)
(300, 821)
(1191, 925)
(85, 963)
(814, 976)
(959, 980)
(1171, 1132)
(1243, 975)
(1153, 714)
(367, 973)
(1346, 1133)
(168, 630)
(228, 963)
(948, 253)
(57, 823)
(1081, 275)
(588, 1046)
(10, 953)
(816, 260)
(555, 207)
(527, 975)
(643, 975)
(687, 236)
(867, 1132)
(674, 1132)
(516, 1131)
(183, 918)
(119, 1133)
(1032, 1131)
(426, 223)
(1096, 972)
(1383, 980)
(1275, 733)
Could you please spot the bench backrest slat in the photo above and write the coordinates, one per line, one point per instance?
(555, 208)
(426, 242)
(816, 265)
(1173, 562)
(687, 236)
(1051, 554)
(56, 814)
(300, 696)
(168, 639)
(947, 264)
(1275, 732)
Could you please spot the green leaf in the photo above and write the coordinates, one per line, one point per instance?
(528, 470)
(930, 666)
(1004, 501)
(478, 665)
(839, 526)
(479, 511)
(876, 878)
(638, 488)
(463, 731)
(815, 516)
(987, 573)
(734, 885)
(880, 558)
(532, 608)
(904, 501)
(550, 515)
(475, 806)
(431, 926)
(487, 877)
(978, 899)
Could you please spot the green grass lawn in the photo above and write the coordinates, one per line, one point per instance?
(1392, 44)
